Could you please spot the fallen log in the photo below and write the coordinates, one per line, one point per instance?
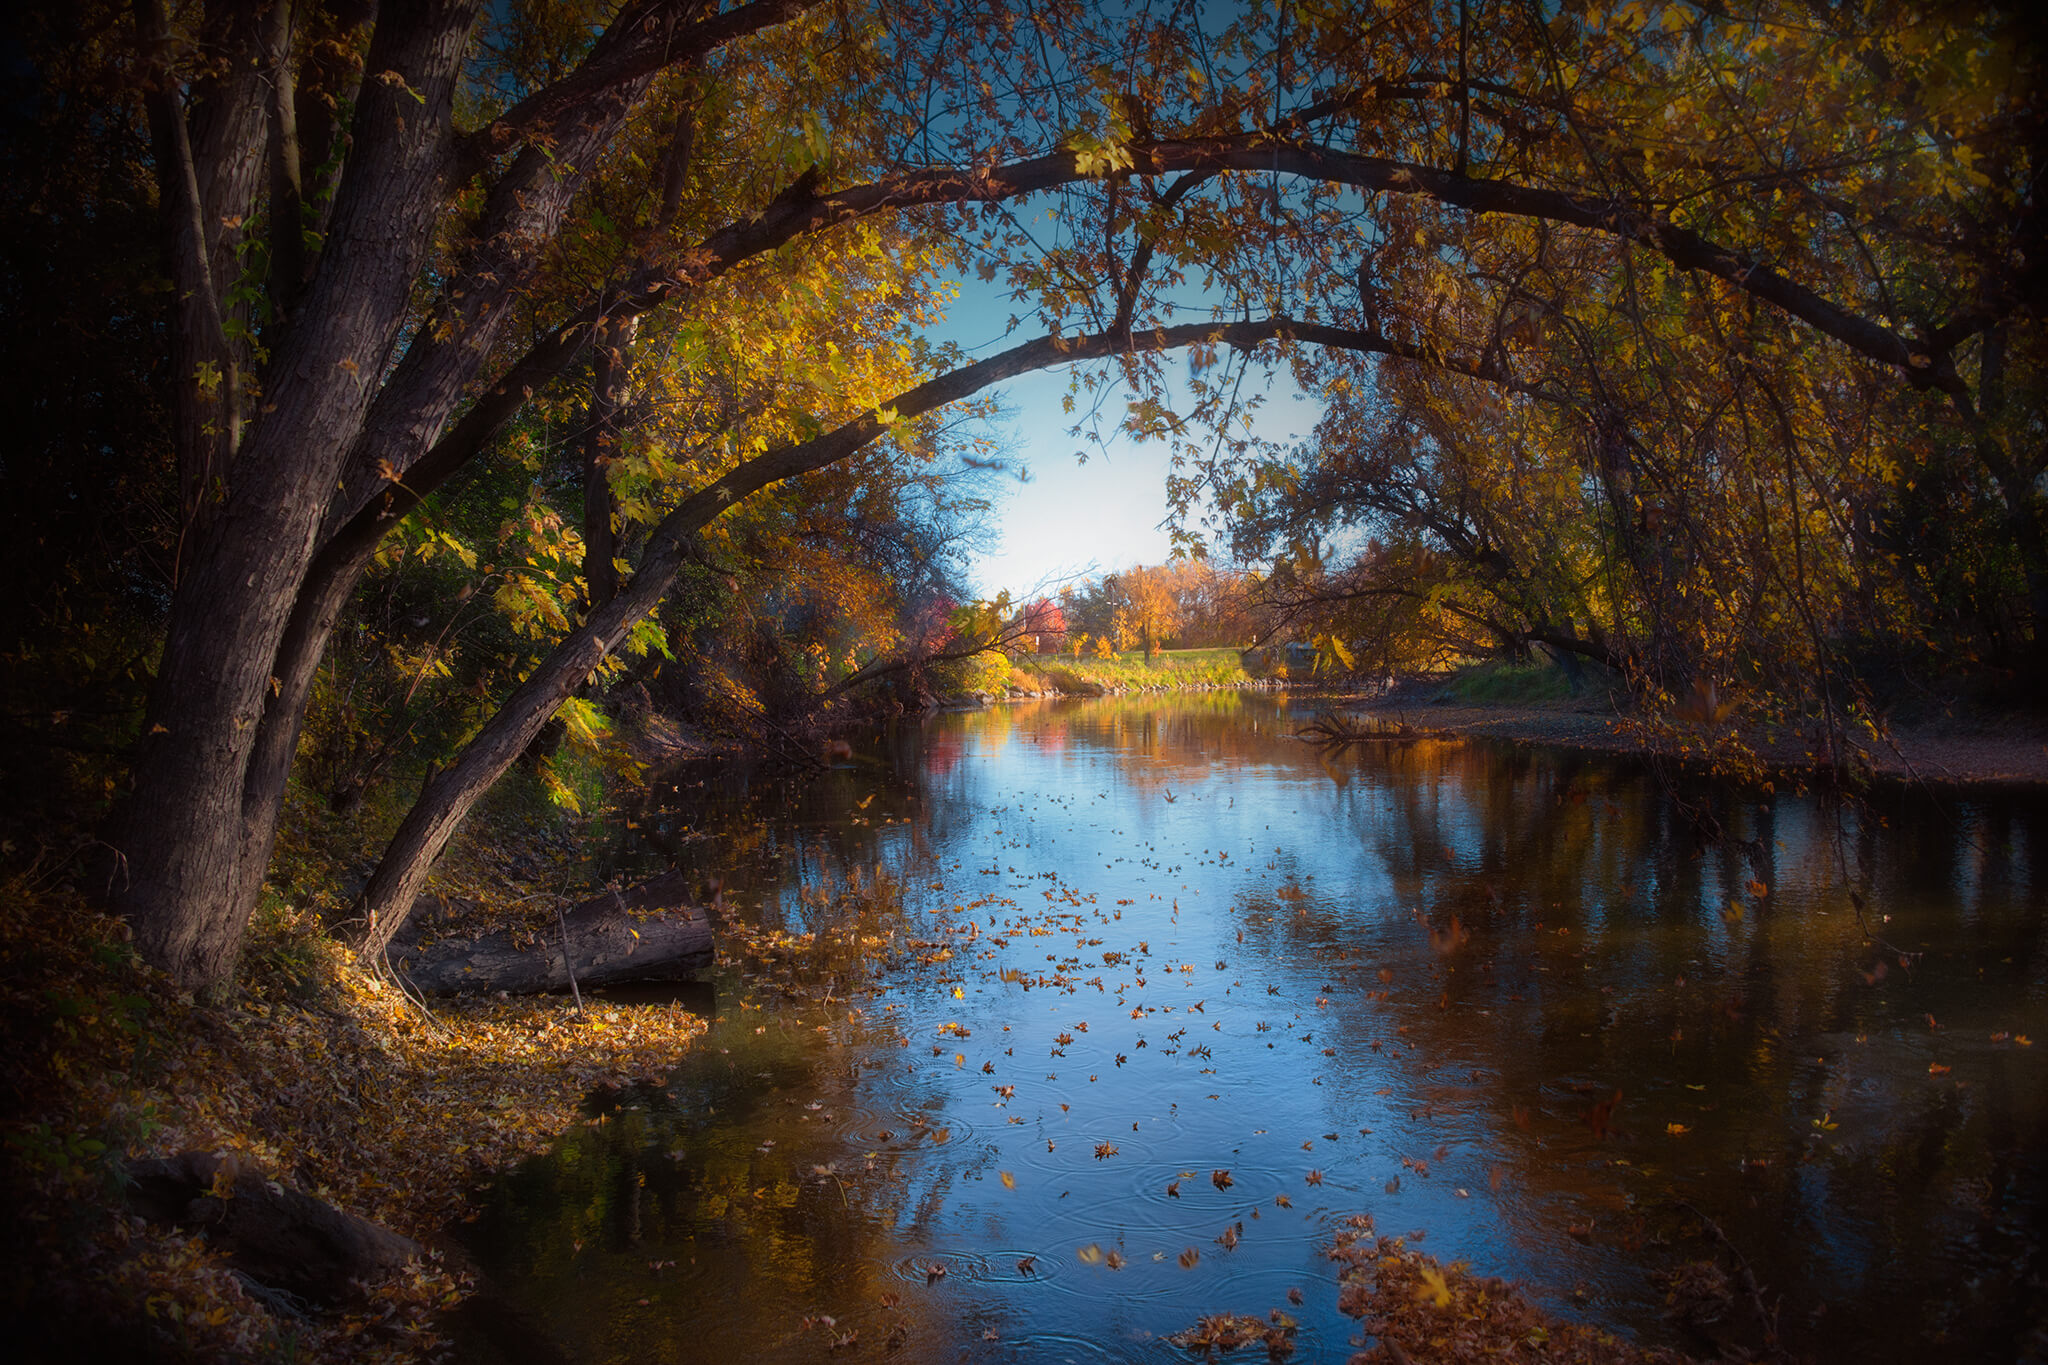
(650, 933)
(280, 1237)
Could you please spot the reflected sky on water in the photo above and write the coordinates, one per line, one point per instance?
(1170, 996)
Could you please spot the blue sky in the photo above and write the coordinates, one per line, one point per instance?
(1071, 518)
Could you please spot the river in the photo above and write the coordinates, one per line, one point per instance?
(1067, 1023)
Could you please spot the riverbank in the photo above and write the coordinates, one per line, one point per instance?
(1031, 676)
(318, 1076)
(1953, 745)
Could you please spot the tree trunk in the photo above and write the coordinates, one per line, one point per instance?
(651, 933)
(181, 834)
(610, 366)
(401, 874)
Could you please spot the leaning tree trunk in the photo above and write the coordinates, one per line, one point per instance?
(447, 799)
(610, 369)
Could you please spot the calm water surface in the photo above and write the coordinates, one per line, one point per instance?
(1144, 942)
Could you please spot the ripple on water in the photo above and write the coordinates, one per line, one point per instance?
(959, 1266)
(1076, 1142)
(1200, 1203)
(1059, 1348)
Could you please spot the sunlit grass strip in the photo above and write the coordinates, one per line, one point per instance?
(1131, 670)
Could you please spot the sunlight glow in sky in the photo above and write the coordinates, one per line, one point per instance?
(1073, 519)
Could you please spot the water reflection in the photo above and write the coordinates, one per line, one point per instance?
(1171, 995)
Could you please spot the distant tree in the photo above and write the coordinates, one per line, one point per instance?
(1153, 612)
(1043, 619)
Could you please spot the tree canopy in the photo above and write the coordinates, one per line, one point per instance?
(1688, 336)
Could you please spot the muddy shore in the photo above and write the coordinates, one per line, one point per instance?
(2007, 750)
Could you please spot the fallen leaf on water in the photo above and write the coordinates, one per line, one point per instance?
(1114, 1260)
(1025, 1264)
(1009, 1180)
(1104, 1150)
(1433, 1287)
(1090, 1254)
(1314, 1177)
(1676, 1129)
(1190, 1258)
(1173, 1189)
(1221, 1179)
(1937, 1069)
(1601, 1115)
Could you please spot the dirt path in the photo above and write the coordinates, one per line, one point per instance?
(2004, 750)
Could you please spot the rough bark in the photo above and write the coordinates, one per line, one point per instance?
(197, 828)
(181, 837)
(610, 367)
(651, 933)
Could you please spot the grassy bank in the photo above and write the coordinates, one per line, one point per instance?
(1131, 671)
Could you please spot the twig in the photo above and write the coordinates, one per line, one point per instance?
(407, 992)
(1906, 959)
(1766, 1318)
(568, 962)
